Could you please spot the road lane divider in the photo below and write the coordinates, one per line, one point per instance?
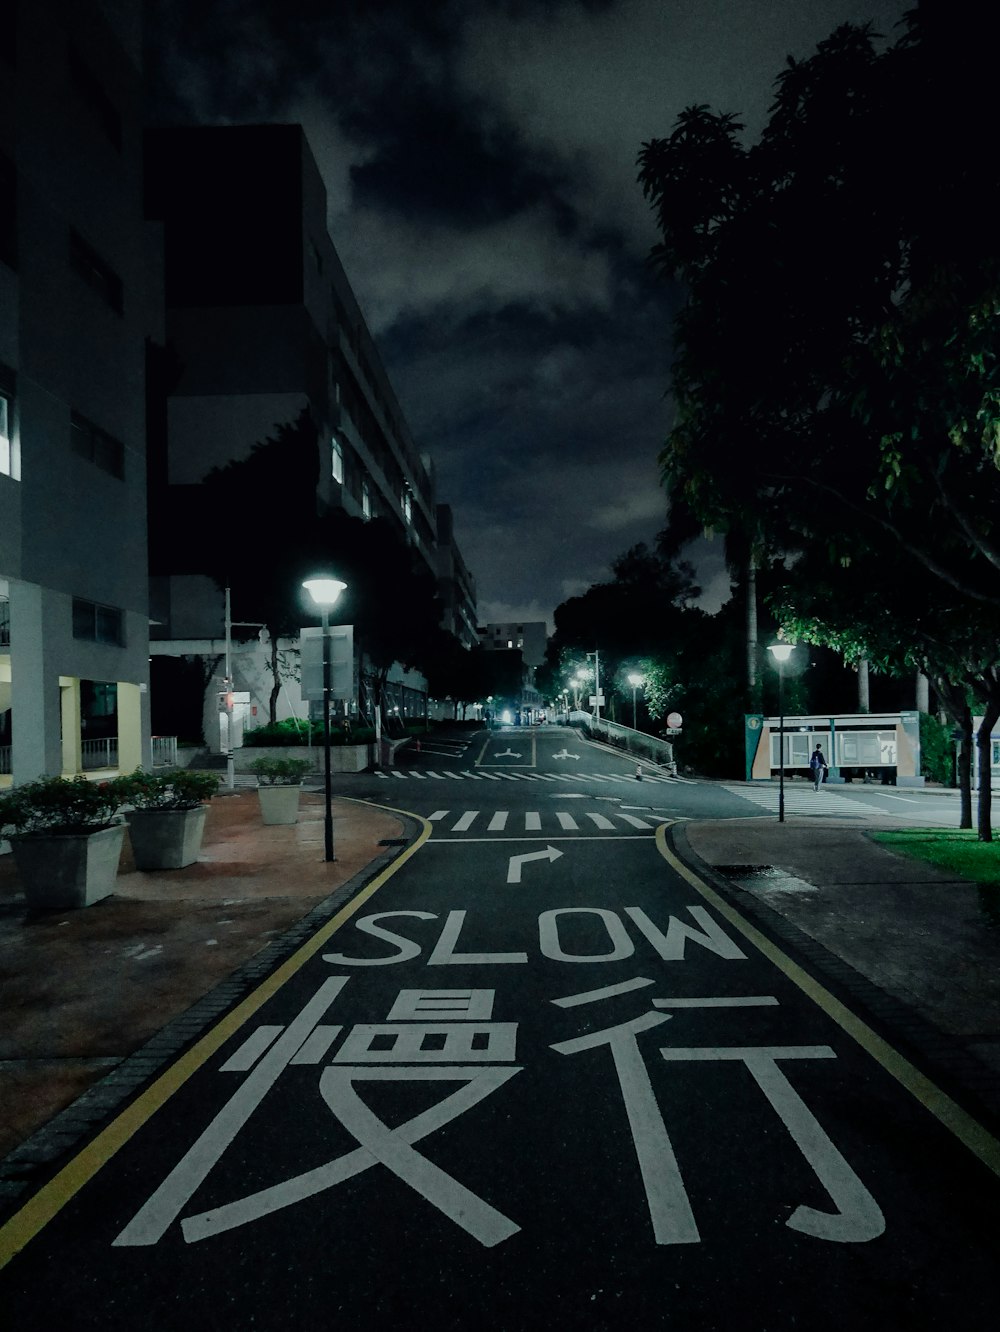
(948, 1112)
(42, 1206)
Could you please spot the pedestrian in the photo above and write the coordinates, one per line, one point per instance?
(818, 765)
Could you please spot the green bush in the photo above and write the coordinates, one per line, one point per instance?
(176, 788)
(280, 772)
(936, 750)
(54, 805)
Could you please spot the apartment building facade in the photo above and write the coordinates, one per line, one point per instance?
(262, 325)
(76, 309)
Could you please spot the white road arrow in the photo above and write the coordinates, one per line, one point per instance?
(507, 753)
(566, 754)
(514, 868)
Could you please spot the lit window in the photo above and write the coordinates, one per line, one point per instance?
(407, 506)
(5, 415)
(337, 459)
(366, 500)
(510, 642)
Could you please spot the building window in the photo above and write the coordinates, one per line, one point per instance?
(8, 384)
(8, 212)
(366, 500)
(98, 624)
(91, 91)
(97, 446)
(337, 459)
(85, 261)
(407, 506)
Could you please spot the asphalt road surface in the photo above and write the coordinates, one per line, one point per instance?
(537, 1075)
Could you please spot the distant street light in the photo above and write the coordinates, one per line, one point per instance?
(781, 652)
(635, 680)
(325, 591)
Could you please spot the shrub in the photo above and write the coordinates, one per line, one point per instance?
(54, 805)
(936, 750)
(280, 772)
(177, 788)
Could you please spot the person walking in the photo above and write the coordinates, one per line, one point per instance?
(818, 765)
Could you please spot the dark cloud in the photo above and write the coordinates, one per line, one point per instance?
(480, 161)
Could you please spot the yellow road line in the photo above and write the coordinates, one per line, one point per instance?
(39, 1210)
(962, 1125)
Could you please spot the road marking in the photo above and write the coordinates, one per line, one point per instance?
(570, 837)
(737, 1001)
(568, 822)
(50, 1199)
(421, 775)
(600, 821)
(506, 753)
(472, 776)
(438, 815)
(490, 776)
(400, 775)
(957, 1121)
(605, 992)
(635, 821)
(516, 862)
(466, 821)
(498, 822)
(532, 822)
(566, 755)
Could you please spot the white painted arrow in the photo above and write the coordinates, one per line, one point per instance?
(507, 753)
(514, 868)
(566, 754)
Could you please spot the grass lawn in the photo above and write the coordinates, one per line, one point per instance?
(957, 850)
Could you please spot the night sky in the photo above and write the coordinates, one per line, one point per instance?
(480, 160)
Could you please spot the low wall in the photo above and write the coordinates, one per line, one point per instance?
(631, 742)
(343, 758)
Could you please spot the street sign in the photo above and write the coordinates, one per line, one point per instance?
(341, 662)
(674, 720)
(597, 700)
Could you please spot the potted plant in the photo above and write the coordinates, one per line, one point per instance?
(65, 840)
(166, 821)
(279, 781)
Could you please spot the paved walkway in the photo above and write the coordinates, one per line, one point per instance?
(923, 945)
(83, 990)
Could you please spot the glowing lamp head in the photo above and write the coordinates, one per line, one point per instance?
(324, 590)
(781, 651)
(635, 680)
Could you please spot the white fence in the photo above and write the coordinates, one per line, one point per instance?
(100, 753)
(164, 751)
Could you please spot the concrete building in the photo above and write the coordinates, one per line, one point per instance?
(456, 585)
(531, 637)
(76, 307)
(262, 324)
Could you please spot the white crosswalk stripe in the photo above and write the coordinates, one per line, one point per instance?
(502, 821)
(797, 801)
(629, 779)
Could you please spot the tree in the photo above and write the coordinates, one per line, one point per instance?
(270, 536)
(836, 374)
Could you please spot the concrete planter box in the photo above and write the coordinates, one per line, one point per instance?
(279, 804)
(60, 872)
(343, 758)
(166, 838)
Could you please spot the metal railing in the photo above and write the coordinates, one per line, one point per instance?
(164, 751)
(632, 742)
(100, 753)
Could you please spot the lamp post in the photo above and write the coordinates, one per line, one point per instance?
(324, 592)
(781, 652)
(635, 680)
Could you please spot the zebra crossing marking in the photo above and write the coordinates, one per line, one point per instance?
(812, 802)
(571, 777)
(532, 822)
(567, 822)
(498, 822)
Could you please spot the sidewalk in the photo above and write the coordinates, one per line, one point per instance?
(919, 947)
(81, 991)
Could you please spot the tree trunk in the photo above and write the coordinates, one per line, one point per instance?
(965, 751)
(864, 704)
(753, 687)
(923, 693)
(984, 743)
(272, 702)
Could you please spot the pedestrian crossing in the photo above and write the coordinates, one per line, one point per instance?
(448, 774)
(550, 822)
(800, 800)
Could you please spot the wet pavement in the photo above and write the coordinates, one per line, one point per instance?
(83, 990)
(96, 1000)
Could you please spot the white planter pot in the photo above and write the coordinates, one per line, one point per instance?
(279, 804)
(60, 872)
(166, 838)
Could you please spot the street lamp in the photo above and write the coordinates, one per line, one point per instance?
(635, 680)
(781, 652)
(324, 592)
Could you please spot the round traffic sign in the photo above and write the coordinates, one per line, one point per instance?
(674, 719)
